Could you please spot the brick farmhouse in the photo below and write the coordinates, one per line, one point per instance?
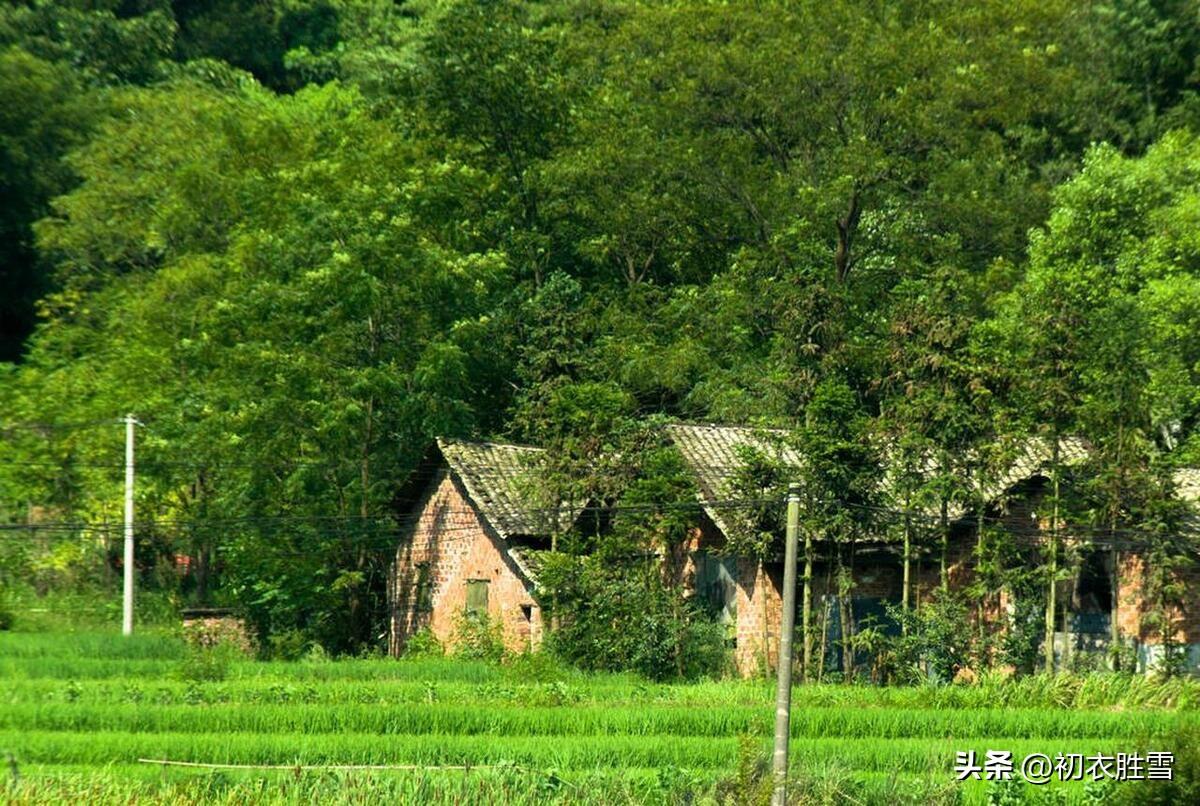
(463, 555)
(752, 590)
(474, 523)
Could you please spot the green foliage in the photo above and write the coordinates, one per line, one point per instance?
(289, 645)
(1021, 643)
(302, 238)
(935, 641)
(1184, 786)
(616, 614)
(478, 637)
(207, 663)
(751, 783)
(423, 644)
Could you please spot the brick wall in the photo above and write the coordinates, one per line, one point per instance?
(679, 566)
(927, 571)
(454, 542)
(759, 609)
(1133, 606)
(760, 601)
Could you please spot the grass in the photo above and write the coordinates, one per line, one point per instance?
(77, 711)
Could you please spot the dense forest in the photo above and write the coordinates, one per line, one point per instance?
(300, 239)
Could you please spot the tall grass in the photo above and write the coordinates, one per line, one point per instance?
(442, 719)
(919, 755)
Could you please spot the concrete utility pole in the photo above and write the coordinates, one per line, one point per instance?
(127, 615)
(783, 685)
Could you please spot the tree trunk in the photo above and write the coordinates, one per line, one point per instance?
(824, 640)
(846, 613)
(907, 583)
(1114, 609)
(847, 225)
(1068, 610)
(203, 561)
(945, 523)
(760, 583)
(980, 614)
(1052, 588)
(806, 606)
(826, 611)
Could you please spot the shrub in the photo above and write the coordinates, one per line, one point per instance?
(751, 782)
(1021, 643)
(289, 645)
(622, 617)
(423, 644)
(208, 663)
(212, 644)
(477, 637)
(539, 667)
(936, 637)
(1184, 786)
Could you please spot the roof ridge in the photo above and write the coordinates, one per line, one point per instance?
(441, 441)
(731, 427)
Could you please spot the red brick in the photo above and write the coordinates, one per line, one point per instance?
(451, 536)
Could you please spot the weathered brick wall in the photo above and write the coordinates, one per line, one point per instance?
(1134, 605)
(679, 566)
(760, 602)
(960, 567)
(759, 609)
(452, 539)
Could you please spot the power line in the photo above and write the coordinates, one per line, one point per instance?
(393, 524)
(397, 519)
(60, 426)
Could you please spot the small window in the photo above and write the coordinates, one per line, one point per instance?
(424, 592)
(477, 597)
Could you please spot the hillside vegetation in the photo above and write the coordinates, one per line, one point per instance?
(300, 239)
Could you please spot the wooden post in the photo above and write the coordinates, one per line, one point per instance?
(945, 524)
(1115, 610)
(806, 612)
(1052, 588)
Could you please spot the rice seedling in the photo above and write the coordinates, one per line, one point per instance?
(77, 714)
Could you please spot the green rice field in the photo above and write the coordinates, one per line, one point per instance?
(90, 717)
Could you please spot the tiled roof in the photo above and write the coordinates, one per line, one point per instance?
(498, 478)
(1034, 457)
(714, 454)
(1187, 484)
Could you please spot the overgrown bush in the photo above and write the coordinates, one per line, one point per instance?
(288, 645)
(477, 637)
(539, 667)
(1021, 643)
(208, 663)
(623, 617)
(751, 783)
(935, 640)
(423, 644)
(1184, 786)
(212, 645)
